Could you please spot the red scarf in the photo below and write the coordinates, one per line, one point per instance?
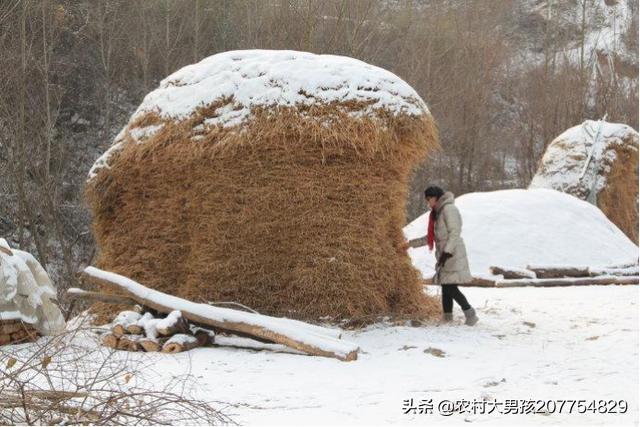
(431, 229)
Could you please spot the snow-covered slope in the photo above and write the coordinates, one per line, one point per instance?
(563, 163)
(516, 228)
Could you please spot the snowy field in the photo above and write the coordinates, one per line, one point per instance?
(566, 343)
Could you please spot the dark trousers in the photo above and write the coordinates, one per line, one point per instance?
(451, 293)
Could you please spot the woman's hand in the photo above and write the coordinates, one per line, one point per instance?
(443, 258)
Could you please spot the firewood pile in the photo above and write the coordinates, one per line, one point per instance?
(136, 331)
(187, 324)
(16, 332)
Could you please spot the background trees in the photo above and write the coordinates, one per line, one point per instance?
(501, 77)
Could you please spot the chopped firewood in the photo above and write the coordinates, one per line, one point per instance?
(134, 329)
(110, 340)
(203, 336)
(119, 330)
(129, 342)
(237, 322)
(173, 324)
(179, 343)
(150, 344)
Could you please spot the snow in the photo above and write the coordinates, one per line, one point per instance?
(325, 342)
(27, 293)
(517, 228)
(530, 343)
(563, 164)
(126, 318)
(242, 80)
(181, 339)
(171, 319)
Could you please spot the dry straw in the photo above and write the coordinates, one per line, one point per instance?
(298, 212)
(619, 198)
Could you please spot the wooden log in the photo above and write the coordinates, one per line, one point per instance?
(129, 343)
(110, 340)
(179, 343)
(233, 321)
(475, 282)
(179, 326)
(622, 271)
(569, 281)
(550, 272)
(203, 336)
(150, 344)
(511, 273)
(119, 330)
(135, 329)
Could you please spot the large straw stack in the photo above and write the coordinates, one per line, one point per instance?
(276, 179)
(597, 162)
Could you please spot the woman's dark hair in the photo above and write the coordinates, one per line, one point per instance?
(433, 191)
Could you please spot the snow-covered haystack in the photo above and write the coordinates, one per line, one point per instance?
(276, 179)
(518, 228)
(597, 162)
(27, 297)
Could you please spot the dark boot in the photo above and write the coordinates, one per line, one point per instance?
(470, 316)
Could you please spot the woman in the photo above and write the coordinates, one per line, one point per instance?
(452, 267)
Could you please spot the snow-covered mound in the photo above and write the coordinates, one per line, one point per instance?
(516, 228)
(270, 78)
(233, 83)
(562, 167)
(26, 292)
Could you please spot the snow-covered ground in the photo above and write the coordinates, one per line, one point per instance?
(567, 343)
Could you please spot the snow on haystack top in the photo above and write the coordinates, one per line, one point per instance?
(269, 78)
(562, 165)
(517, 228)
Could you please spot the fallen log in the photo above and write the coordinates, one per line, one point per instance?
(609, 271)
(513, 273)
(569, 281)
(475, 281)
(179, 343)
(76, 293)
(553, 272)
(233, 321)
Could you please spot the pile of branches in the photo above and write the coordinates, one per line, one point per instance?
(59, 381)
